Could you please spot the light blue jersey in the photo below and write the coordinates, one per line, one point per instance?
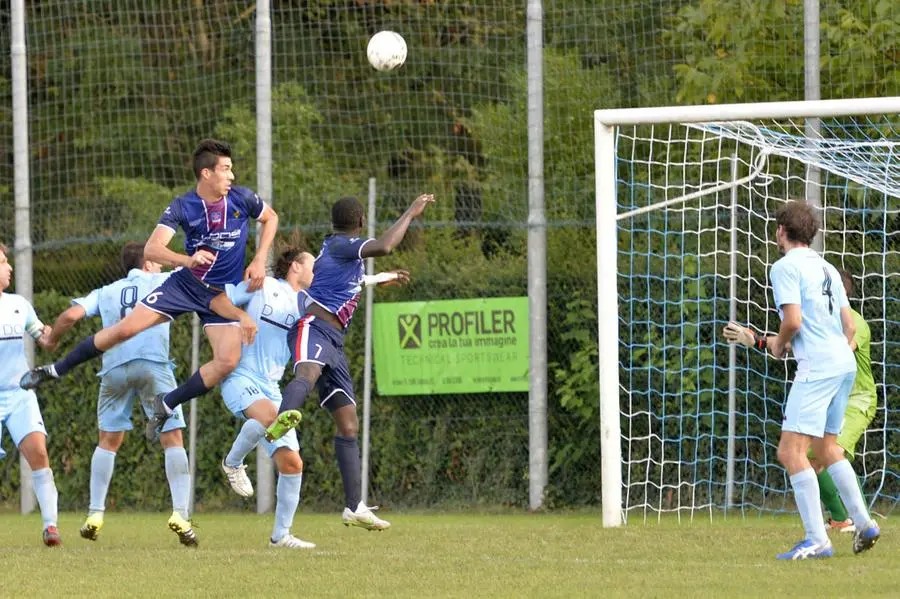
(821, 349)
(17, 319)
(274, 308)
(116, 300)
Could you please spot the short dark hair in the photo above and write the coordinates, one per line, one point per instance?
(208, 153)
(285, 259)
(132, 255)
(849, 285)
(4, 249)
(799, 221)
(346, 214)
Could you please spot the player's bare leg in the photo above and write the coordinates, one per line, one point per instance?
(290, 477)
(259, 415)
(140, 319)
(34, 449)
(225, 341)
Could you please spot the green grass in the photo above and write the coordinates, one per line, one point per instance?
(435, 555)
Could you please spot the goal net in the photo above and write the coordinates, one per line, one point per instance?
(698, 421)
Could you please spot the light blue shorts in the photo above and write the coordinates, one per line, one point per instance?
(137, 379)
(815, 408)
(240, 390)
(20, 414)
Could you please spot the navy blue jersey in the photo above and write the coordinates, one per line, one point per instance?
(220, 228)
(338, 276)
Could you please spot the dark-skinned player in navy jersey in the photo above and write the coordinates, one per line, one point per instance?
(317, 341)
(215, 217)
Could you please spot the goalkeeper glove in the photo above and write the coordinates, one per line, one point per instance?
(735, 333)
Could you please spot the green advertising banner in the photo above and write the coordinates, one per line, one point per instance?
(451, 346)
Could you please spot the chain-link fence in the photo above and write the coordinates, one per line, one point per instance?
(119, 94)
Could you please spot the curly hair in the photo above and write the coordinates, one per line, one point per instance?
(285, 259)
(799, 221)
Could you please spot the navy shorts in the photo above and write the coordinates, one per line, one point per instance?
(183, 292)
(312, 340)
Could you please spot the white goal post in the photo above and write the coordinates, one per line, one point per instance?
(609, 182)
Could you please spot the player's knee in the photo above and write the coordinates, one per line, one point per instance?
(288, 461)
(171, 439)
(349, 430)
(34, 448)
(785, 455)
(111, 441)
(227, 362)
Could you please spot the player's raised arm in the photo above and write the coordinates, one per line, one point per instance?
(256, 271)
(389, 240)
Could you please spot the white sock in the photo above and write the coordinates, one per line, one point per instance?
(845, 480)
(47, 497)
(806, 494)
(179, 474)
(287, 493)
(102, 465)
(251, 433)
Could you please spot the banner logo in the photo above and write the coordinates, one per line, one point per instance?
(410, 326)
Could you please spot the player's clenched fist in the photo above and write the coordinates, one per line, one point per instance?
(201, 258)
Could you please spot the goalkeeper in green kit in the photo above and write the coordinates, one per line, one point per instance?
(860, 406)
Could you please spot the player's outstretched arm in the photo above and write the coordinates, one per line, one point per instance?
(256, 271)
(387, 279)
(736, 333)
(64, 323)
(391, 238)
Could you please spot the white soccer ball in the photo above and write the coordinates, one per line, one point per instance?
(386, 50)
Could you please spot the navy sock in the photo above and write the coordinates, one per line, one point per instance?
(347, 452)
(295, 394)
(191, 388)
(83, 352)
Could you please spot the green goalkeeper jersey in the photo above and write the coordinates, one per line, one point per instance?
(863, 395)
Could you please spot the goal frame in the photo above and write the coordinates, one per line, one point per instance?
(605, 124)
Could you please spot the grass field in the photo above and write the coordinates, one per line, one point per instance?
(429, 555)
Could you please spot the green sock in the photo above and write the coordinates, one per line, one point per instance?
(831, 498)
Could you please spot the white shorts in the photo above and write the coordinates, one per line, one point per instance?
(121, 386)
(815, 408)
(240, 390)
(20, 414)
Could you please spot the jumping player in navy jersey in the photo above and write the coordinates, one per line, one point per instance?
(317, 341)
(215, 217)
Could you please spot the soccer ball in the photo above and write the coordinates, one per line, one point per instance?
(386, 51)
